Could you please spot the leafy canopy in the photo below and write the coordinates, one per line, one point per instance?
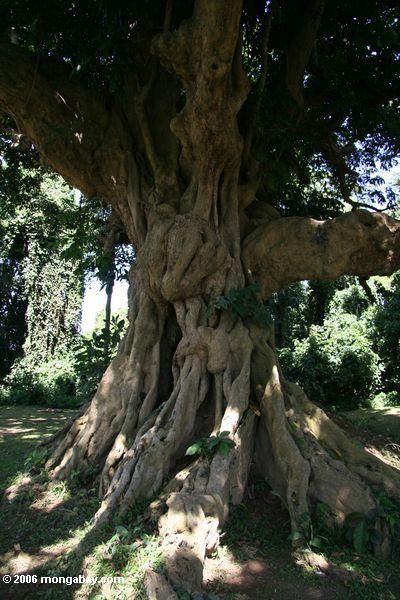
(313, 156)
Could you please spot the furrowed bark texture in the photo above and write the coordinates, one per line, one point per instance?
(184, 369)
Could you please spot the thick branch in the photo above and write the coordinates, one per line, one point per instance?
(69, 123)
(205, 54)
(294, 248)
(85, 140)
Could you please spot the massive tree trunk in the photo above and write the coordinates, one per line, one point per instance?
(185, 369)
(184, 372)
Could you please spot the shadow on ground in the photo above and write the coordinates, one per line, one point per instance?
(382, 421)
(46, 531)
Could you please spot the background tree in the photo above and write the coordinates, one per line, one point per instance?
(348, 355)
(50, 243)
(43, 285)
(218, 131)
(12, 308)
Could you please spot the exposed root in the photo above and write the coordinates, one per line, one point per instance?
(289, 471)
(331, 437)
(307, 458)
(157, 587)
(139, 441)
(197, 499)
(162, 438)
(140, 437)
(126, 397)
(190, 528)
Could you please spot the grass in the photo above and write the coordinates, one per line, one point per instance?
(48, 530)
(21, 429)
(50, 522)
(379, 421)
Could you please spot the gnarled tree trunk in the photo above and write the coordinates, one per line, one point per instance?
(184, 372)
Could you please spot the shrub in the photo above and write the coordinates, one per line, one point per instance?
(63, 381)
(336, 364)
(351, 300)
(52, 383)
(94, 354)
(385, 400)
(384, 331)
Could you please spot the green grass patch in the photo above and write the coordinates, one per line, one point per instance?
(382, 421)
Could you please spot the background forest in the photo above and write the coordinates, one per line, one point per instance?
(52, 242)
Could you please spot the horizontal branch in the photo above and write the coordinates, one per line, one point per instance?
(291, 249)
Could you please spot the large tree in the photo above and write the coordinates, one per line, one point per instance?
(221, 131)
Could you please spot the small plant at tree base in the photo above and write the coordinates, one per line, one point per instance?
(209, 446)
(363, 531)
(308, 536)
(35, 461)
(360, 531)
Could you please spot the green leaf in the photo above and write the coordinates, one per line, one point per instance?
(193, 449)
(212, 441)
(225, 446)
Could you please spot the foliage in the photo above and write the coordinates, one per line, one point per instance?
(336, 364)
(363, 531)
(50, 383)
(209, 446)
(37, 215)
(360, 531)
(98, 43)
(49, 242)
(243, 302)
(351, 300)
(290, 309)
(13, 305)
(384, 328)
(93, 354)
(35, 461)
(65, 380)
(309, 534)
(385, 399)
(342, 348)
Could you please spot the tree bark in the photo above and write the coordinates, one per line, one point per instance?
(224, 371)
(284, 250)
